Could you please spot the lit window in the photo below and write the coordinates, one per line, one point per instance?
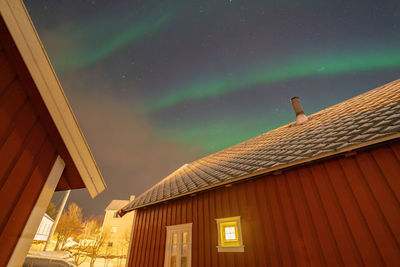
(113, 229)
(178, 247)
(229, 235)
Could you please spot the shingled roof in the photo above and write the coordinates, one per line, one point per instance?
(364, 120)
(117, 204)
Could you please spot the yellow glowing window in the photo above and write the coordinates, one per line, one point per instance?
(229, 235)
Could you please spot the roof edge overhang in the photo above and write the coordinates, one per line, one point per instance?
(274, 169)
(38, 64)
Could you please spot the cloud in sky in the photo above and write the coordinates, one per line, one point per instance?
(330, 64)
(124, 144)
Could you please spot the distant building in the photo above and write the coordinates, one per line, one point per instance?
(322, 191)
(42, 148)
(44, 229)
(117, 229)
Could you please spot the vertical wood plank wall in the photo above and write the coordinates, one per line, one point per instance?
(26, 157)
(336, 212)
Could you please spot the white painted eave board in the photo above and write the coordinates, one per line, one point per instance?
(32, 51)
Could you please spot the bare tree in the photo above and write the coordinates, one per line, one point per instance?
(95, 238)
(94, 250)
(126, 238)
(70, 225)
(90, 240)
(123, 243)
(79, 253)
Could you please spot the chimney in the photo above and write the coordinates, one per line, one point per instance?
(300, 116)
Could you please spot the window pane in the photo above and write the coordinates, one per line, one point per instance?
(174, 249)
(184, 251)
(184, 237)
(184, 261)
(230, 233)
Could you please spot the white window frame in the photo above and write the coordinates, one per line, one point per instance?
(168, 243)
(220, 246)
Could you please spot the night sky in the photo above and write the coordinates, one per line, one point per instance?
(157, 84)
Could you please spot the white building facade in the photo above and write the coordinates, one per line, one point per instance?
(44, 229)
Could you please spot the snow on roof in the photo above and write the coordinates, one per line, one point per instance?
(117, 204)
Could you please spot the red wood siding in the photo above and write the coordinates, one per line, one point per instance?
(12, 66)
(342, 211)
(26, 157)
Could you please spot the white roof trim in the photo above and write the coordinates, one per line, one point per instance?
(31, 49)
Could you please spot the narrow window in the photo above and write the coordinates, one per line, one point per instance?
(113, 229)
(230, 235)
(178, 248)
(116, 215)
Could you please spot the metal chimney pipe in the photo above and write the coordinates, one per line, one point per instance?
(300, 116)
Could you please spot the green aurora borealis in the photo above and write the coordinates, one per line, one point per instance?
(352, 61)
(94, 42)
(215, 135)
(156, 84)
(105, 36)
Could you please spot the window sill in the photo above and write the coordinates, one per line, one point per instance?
(231, 249)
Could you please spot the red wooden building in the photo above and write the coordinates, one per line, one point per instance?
(42, 148)
(322, 191)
